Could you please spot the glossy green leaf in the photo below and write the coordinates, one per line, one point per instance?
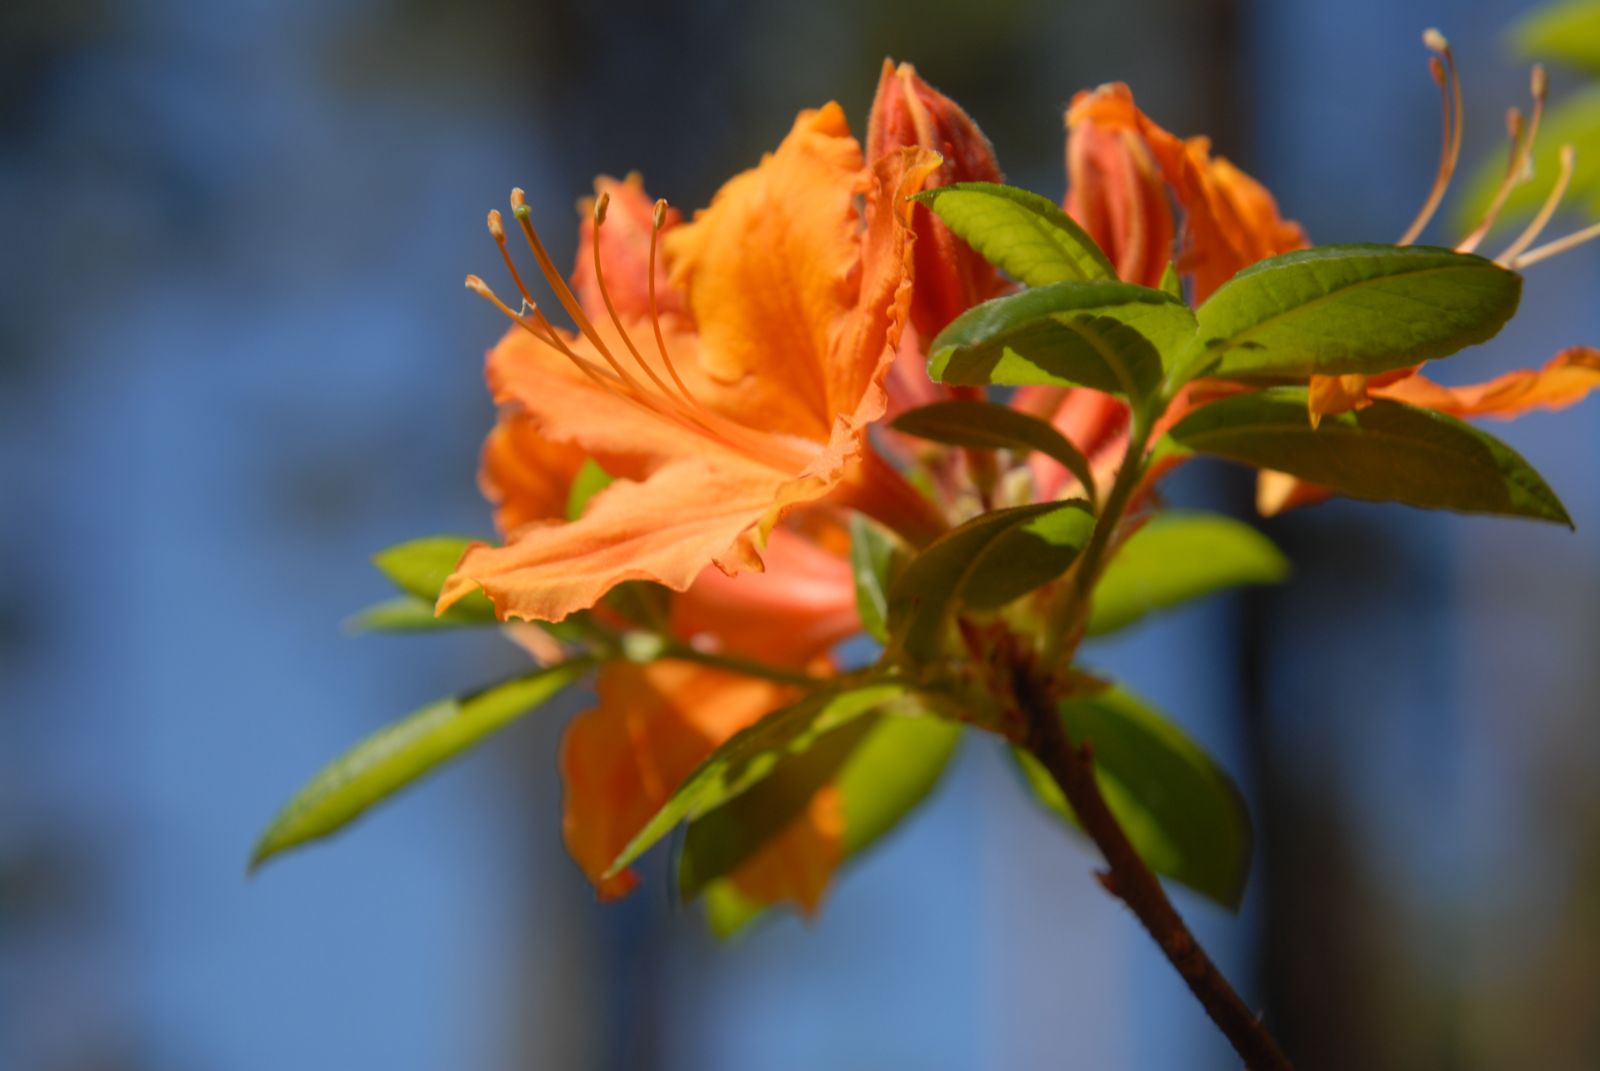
(882, 769)
(1565, 32)
(399, 754)
(872, 556)
(1335, 310)
(1023, 234)
(1387, 452)
(988, 425)
(1177, 557)
(419, 567)
(985, 563)
(752, 755)
(1107, 335)
(1179, 808)
(407, 613)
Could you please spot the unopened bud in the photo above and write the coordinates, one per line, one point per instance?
(907, 111)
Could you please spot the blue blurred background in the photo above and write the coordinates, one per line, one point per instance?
(235, 358)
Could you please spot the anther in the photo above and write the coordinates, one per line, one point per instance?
(1442, 67)
(496, 227)
(601, 203)
(658, 215)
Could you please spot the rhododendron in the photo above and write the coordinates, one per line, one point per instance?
(857, 461)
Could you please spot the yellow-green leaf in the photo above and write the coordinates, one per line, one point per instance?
(1177, 557)
(399, 754)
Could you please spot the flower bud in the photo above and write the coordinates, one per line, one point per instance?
(950, 276)
(1116, 193)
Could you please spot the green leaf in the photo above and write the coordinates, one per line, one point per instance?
(872, 554)
(752, 755)
(1023, 234)
(588, 481)
(1110, 336)
(1387, 452)
(399, 754)
(883, 766)
(407, 613)
(1171, 283)
(1179, 808)
(987, 425)
(420, 567)
(887, 776)
(1342, 309)
(1177, 557)
(986, 562)
(1566, 32)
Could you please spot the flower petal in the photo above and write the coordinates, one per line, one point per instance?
(1565, 380)
(691, 512)
(566, 405)
(800, 606)
(770, 272)
(527, 476)
(621, 760)
(797, 863)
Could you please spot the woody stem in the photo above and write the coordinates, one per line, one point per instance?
(1071, 766)
(1131, 881)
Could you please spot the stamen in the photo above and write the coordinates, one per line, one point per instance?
(1537, 225)
(1443, 68)
(563, 292)
(1519, 165)
(497, 231)
(658, 219)
(602, 202)
(543, 332)
(1560, 245)
(771, 449)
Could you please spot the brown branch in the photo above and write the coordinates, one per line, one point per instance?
(1130, 880)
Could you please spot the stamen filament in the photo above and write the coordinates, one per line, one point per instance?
(1518, 164)
(1537, 225)
(600, 205)
(1449, 82)
(658, 219)
(479, 287)
(563, 292)
(1560, 245)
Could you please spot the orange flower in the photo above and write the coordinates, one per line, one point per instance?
(1230, 220)
(752, 399)
(621, 760)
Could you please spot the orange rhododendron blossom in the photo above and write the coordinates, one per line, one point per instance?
(1230, 220)
(950, 276)
(654, 724)
(753, 399)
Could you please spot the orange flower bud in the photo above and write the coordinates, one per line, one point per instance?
(950, 277)
(1117, 194)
